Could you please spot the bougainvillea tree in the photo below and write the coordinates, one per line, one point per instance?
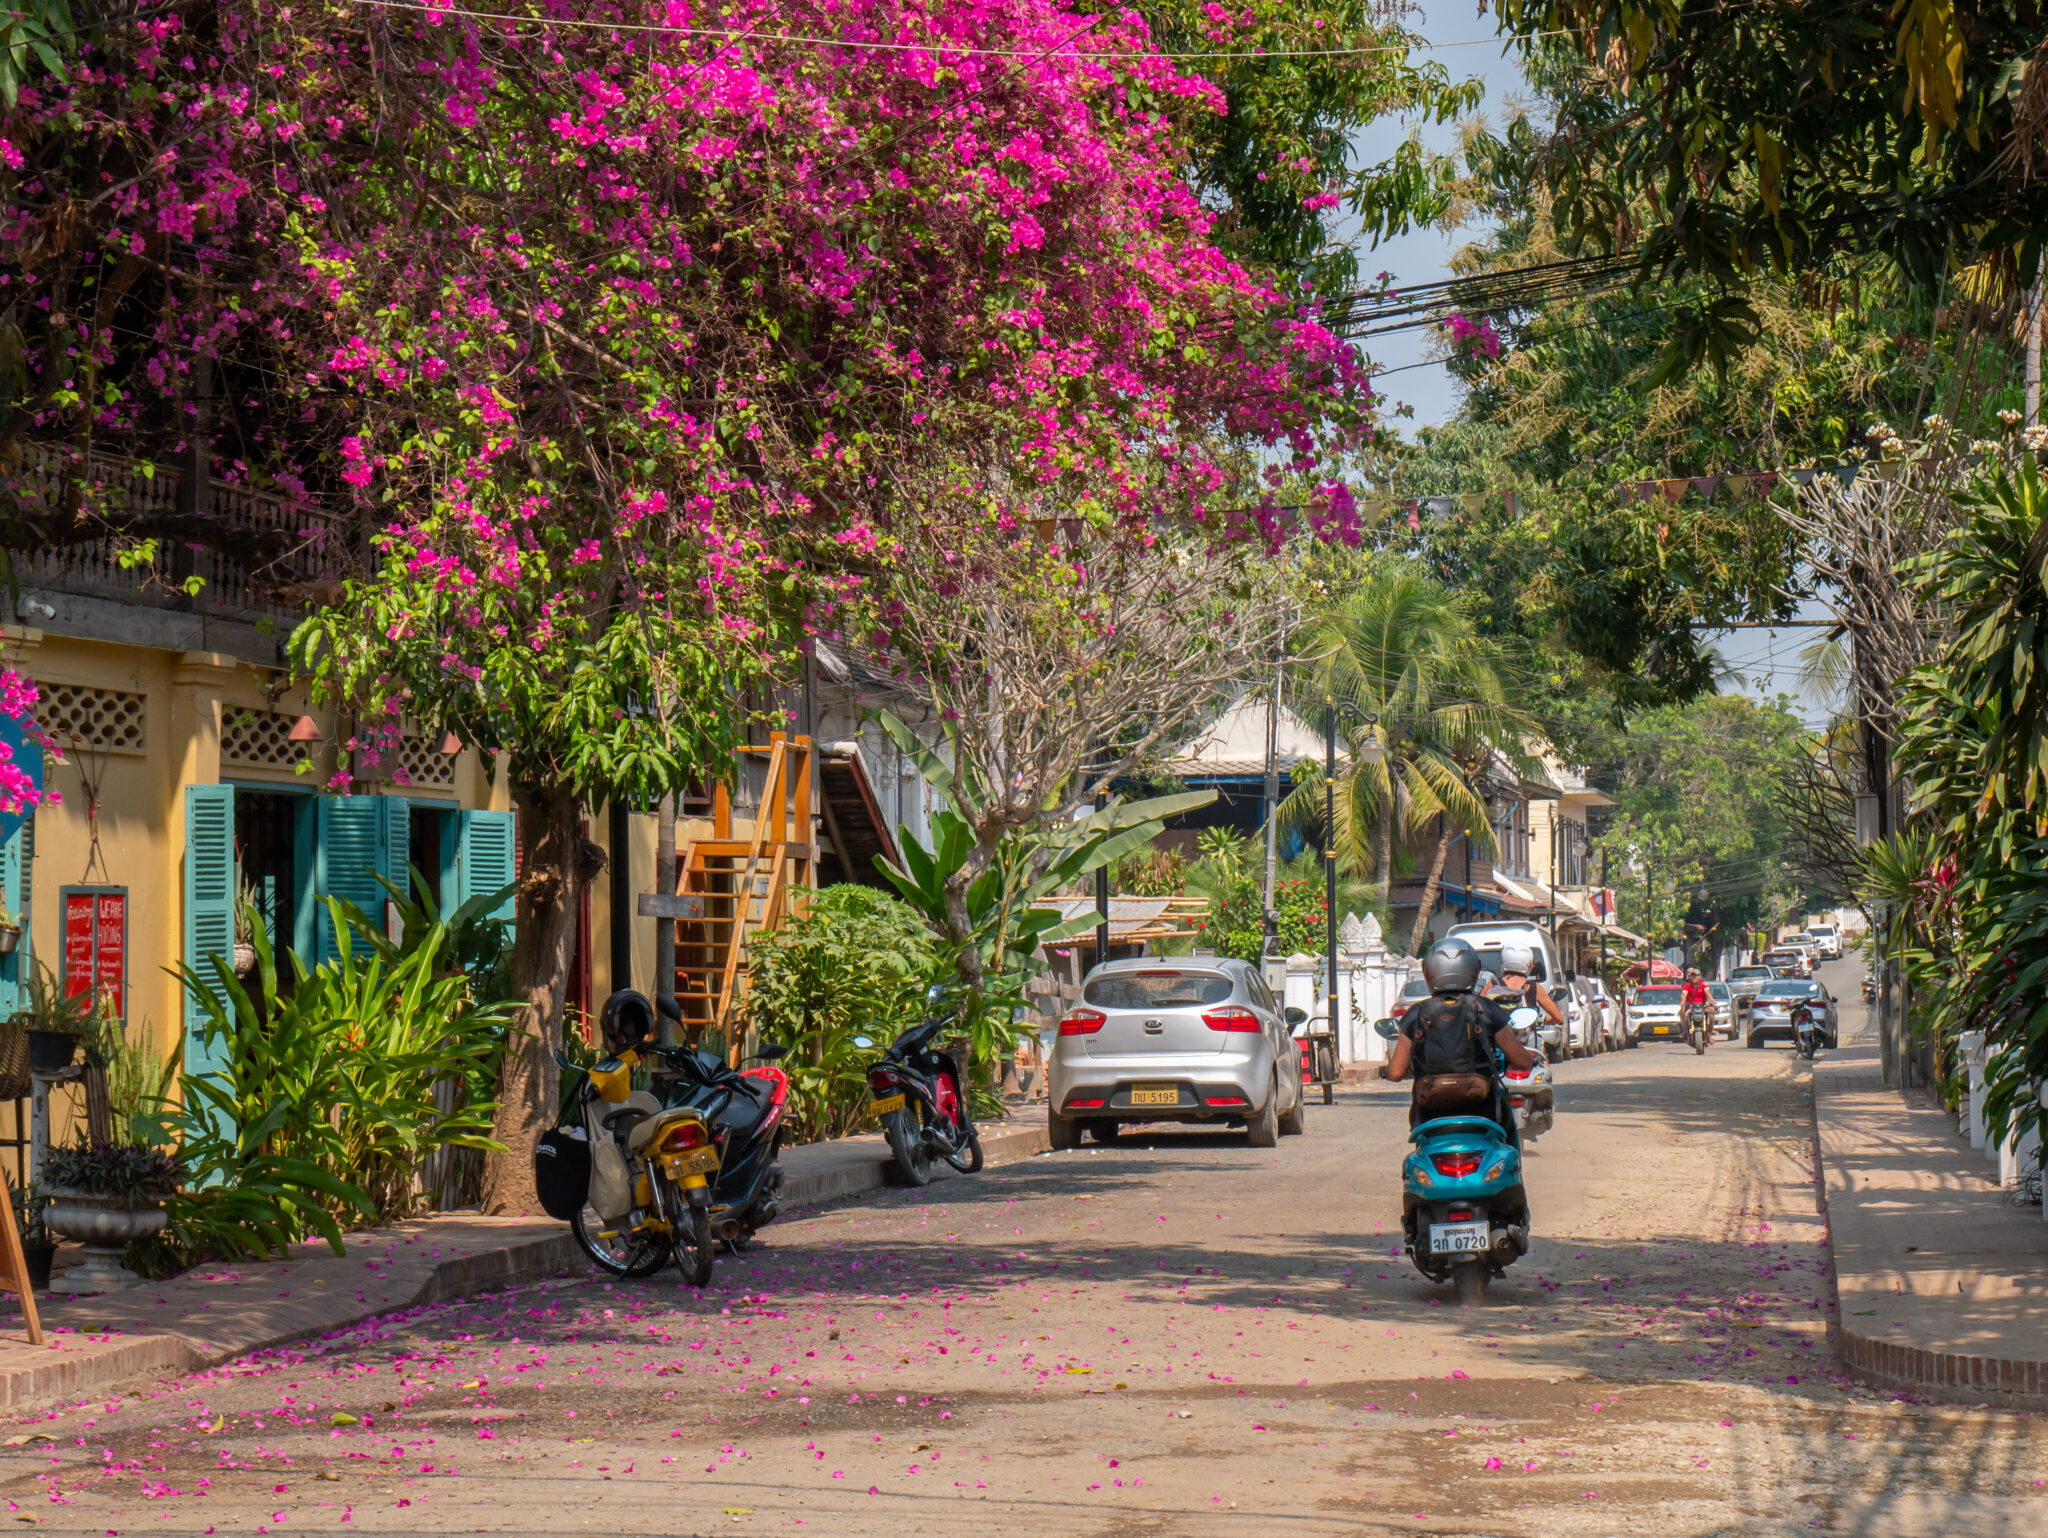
(632, 335)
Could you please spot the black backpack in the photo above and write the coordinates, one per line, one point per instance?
(1452, 1038)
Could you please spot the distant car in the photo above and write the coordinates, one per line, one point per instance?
(1787, 962)
(1723, 996)
(1654, 1012)
(1827, 940)
(1776, 1002)
(1613, 1018)
(1181, 1041)
(1743, 984)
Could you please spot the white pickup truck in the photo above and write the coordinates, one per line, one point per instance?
(1827, 940)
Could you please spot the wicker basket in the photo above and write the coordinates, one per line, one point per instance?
(14, 1081)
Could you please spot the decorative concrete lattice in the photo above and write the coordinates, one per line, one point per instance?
(258, 738)
(426, 766)
(102, 720)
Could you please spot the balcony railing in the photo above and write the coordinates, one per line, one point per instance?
(228, 586)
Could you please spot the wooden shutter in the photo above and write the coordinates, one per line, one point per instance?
(351, 855)
(486, 845)
(13, 878)
(209, 903)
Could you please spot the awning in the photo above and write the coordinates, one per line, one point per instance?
(1132, 919)
(1525, 895)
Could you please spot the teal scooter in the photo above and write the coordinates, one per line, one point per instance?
(1464, 1210)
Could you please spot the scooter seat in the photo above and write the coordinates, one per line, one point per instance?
(1458, 1126)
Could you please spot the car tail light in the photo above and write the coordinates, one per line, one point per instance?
(1084, 1105)
(683, 1137)
(1083, 1022)
(1225, 1100)
(1233, 1019)
(1455, 1164)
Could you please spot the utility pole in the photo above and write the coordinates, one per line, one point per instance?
(1330, 851)
(1269, 919)
(665, 928)
(1101, 897)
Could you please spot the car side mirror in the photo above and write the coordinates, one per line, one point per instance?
(1387, 1030)
(1294, 1014)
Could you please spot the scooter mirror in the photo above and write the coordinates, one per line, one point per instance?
(933, 994)
(668, 1006)
(770, 1051)
(562, 1059)
(1387, 1029)
(865, 1043)
(1524, 1018)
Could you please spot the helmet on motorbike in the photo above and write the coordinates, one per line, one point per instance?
(627, 1019)
(1451, 966)
(1516, 959)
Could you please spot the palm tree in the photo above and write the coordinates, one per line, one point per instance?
(1402, 648)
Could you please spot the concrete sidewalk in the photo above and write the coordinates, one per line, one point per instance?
(1943, 1284)
(213, 1313)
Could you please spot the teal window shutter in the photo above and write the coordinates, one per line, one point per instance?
(397, 837)
(484, 857)
(209, 903)
(14, 968)
(351, 855)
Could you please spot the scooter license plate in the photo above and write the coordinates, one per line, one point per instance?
(698, 1161)
(887, 1104)
(1459, 1239)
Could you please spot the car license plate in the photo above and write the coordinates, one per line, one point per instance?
(1661, 1030)
(1459, 1239)
(1154, 1094)
(698, 1161)
(889, 1103)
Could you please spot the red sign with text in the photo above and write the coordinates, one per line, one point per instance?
(96, 944)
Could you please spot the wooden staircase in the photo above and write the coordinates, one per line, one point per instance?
(746, 887)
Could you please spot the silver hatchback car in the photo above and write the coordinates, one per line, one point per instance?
(1179, 1039)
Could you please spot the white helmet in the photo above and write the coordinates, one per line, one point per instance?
(1518, 959)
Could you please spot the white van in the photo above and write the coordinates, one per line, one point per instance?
(1577, 1036)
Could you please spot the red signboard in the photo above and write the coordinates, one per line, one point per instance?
(96, 944)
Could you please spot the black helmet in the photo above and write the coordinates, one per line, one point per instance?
(1451, 966)
(627, 1019)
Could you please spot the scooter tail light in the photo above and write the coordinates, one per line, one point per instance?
(683, 1137)
(1454, 1165)
(1242, 1020)
(1083, 1022)
(881, 1078)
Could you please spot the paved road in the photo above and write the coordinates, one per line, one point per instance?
(1178, 1334)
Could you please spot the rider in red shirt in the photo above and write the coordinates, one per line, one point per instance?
(1697, 997)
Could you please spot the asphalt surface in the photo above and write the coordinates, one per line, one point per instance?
(1176, 1334)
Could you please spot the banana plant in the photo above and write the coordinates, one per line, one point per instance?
(980, 895)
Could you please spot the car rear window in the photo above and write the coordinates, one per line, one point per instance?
(1157, 990)
(1752, 974)
(1786, 990)
(1489, 961)
(1718, 990)
(1660, 995)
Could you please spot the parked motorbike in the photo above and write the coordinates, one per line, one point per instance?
(744, 1108)
(1870, 987)
(920, 1094)
(1464, 1210)
(1806, 1034)
(1530, 1090)
(643, 1175)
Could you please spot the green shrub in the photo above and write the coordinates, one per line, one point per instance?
(321, 1108)
(856, 963)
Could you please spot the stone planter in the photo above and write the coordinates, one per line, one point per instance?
(105, 1227)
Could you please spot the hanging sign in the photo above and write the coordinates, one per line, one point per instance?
(95, 927)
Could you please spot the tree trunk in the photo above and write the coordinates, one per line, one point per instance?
(557, 862)
(1430, 889)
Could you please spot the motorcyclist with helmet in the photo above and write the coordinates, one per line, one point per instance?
(1455, 1035)
(1518, 987)
(1698, 1000)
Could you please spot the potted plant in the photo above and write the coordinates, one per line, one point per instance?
(10, 930)
(37, 1245)
(54, 1022)
(106, 1196)
(247, 914)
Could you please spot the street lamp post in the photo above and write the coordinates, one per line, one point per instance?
(1369, 752)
